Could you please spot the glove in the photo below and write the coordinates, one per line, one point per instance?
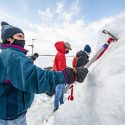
(69, 75)
(34, 56)
(81, 74)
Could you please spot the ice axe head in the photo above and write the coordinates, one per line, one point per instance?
(110, 34)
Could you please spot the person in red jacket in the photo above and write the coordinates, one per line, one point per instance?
(59, 65)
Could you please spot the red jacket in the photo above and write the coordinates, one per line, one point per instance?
(74, 61)
(60, 59)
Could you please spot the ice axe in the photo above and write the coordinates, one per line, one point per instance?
(71, 97)
(110, 34)
(104, 47)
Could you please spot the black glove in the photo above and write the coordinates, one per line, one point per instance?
(34, 56)
(81, 74)
(70, 75)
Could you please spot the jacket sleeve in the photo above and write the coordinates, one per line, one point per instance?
(25, 76)
(61, 61)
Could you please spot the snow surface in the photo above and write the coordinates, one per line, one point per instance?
(100, 99)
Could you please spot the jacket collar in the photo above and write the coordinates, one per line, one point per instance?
(4, 46)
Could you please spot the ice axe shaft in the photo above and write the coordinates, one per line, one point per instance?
(110, 34)
(102, 50)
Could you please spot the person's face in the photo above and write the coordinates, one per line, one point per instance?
(18, 36)
(67, 50)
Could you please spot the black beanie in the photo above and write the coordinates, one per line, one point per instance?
(8, 31)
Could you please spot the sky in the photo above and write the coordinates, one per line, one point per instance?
(91, 10)
(100, 99)
(47, 21)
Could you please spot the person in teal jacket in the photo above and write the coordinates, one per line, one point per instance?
(20, 79)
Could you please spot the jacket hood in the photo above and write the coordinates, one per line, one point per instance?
(60, 47)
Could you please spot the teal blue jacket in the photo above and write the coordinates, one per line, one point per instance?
(20, 79)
